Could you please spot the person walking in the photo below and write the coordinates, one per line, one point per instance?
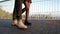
(17, 15)
(26, 8)
(18, 11)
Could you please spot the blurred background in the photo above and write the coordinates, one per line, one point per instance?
(39, 9)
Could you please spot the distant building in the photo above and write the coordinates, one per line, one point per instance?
(43, 17)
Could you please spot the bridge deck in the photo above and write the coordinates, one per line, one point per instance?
(38, 27)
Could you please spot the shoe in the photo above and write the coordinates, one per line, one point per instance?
(27, 23)
(14, 22)
(21, 25)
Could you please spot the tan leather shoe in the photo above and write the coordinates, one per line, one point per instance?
(20, 24)
(14, 22)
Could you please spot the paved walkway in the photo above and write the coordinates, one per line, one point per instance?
(38, 27)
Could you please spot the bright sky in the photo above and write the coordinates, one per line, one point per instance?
(1, 0)
(37, 6)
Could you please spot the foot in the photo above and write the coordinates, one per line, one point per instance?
(14, 22)
(27, 23)
(21, 25)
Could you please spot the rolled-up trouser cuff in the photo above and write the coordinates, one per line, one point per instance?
(19, 17)
(14, 18)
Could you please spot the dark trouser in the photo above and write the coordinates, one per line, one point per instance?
(17, 13)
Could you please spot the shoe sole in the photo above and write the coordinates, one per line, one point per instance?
(28, 25)
(20, 28)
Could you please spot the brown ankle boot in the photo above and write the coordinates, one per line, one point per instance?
(27, 23)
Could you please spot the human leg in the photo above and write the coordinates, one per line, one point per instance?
(17, 14)
(20, 23)
(27, 6)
